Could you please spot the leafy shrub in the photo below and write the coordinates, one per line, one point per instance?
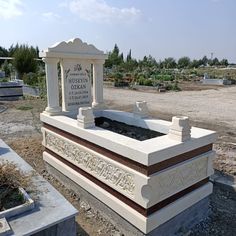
(141, 81)
(145, 82)
(165, 77)
(148, 82)
(4, 80)
(30, 79)
(43, 87)
(119, 80)
(173, 87)
(118, 76)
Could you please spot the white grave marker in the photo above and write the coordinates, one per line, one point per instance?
(77, 59)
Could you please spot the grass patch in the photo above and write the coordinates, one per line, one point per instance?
(24, 108)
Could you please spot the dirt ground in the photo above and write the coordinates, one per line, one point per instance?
(213, 109)
(196, 86)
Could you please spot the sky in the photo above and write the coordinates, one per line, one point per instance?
(161, 28)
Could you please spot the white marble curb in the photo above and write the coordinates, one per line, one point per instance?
(27, 206)
(4, 227)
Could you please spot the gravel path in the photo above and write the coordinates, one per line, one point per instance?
(206, 105)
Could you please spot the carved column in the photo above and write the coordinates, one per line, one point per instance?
(98, 102)
(53, 107)
(63, 85)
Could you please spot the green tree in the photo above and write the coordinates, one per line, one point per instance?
(147, 62)
(169, 63)
(130, 65)
(204, 61)
(3, 53)
(152, 61)
(6, 68)
(12, 49)
(144, 62)
(215, 62)
(114, 58)
(129, 56)
(224, 62)
(121, 57)
(116, 50)
(161, 64)
(184, 62)
(196, 63)
(37, 51)
(24, 60)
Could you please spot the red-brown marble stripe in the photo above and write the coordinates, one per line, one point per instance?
(126, 200)
(146, 170)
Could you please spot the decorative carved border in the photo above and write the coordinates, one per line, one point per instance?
(144, 211)
(175, 179)
(79, 156)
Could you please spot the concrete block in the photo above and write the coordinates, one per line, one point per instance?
(140, 109)
(85, 118)
(180, 129)
(4, 227)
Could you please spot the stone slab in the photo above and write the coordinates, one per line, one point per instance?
(51, 208)
(8, 89)
(32, 91)
(65, 228)
(4, 227)
(216, 81)
(224, 181)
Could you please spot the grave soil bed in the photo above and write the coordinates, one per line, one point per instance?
(10, 198)
(130, 131)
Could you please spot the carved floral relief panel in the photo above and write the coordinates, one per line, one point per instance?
(103, 170)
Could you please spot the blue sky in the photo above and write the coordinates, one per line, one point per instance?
(162, 28)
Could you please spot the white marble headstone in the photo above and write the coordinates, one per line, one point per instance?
(76, 59)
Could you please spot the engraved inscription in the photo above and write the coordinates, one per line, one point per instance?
(77, 77)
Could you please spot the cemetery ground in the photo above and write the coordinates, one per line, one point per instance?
(213, 109)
